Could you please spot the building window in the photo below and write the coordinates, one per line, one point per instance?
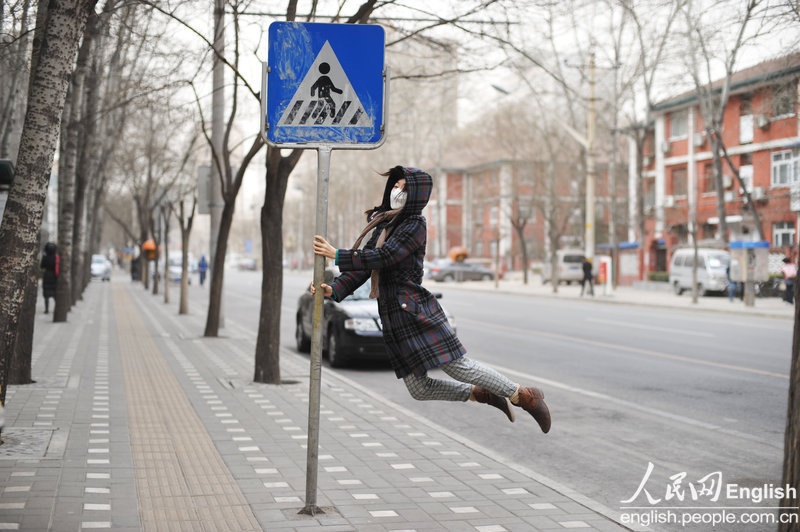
(678, 124)
(708, 179)
(782, 168)
(479, 248)
(783, 98)
(782, 234)
(745, 105)
(649, 193)
(679, 182)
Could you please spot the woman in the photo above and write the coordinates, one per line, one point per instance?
(49, 264)
(417, 335)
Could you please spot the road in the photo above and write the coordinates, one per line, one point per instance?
(690, 392)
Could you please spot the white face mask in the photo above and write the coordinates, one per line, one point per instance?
(397, 198)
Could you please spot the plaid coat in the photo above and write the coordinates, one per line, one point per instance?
(417, 334)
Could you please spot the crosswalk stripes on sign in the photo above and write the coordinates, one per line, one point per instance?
(325, 97)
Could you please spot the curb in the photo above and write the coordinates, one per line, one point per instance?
(557, 487)
(608, 299)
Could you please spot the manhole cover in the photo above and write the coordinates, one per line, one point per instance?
(24, 443)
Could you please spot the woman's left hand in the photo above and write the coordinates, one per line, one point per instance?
(321, 247)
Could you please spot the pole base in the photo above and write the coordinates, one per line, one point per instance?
(311, 510)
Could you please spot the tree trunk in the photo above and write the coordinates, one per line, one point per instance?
(520, 228)
(183, 304)
(218, 271)
(66, 202)
(791, 445)
(52, 62)
(719, 185)
(186, 231)
(19, 371)
(78, 128)
(267, 360)
(165, 217)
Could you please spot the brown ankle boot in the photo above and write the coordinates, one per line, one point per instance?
(482, 395)
(532, 401)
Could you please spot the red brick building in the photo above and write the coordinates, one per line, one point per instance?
(477, 207)
(761, 131)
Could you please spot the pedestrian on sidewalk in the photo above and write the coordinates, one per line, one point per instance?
(731, 284)
(587, 276)
(417, 334)
(202, 268)
(49, 264)
(789, 271)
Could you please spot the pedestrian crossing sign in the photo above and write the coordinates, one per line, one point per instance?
(324, 84)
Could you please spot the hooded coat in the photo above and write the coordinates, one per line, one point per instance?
(49, 264)
(416, 331)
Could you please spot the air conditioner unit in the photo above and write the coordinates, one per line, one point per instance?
(699, 139)
(728, 196)
(727, 181)
(669, 201)
(665, 146)
(758, 193)
(762, 121)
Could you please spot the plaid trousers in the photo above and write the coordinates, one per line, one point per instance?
(465, 370)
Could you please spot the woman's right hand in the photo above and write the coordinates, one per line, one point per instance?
(327, 291)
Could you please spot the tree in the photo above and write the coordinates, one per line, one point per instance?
(651, 36)
(59, 27)
(96, 110)
(185, 222)
(790, 521)
(713, 98)
(14, 56)
(280, 167)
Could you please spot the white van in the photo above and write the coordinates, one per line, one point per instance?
(711, 270)
(570, 266)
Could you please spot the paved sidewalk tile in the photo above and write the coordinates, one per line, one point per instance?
(136, 422)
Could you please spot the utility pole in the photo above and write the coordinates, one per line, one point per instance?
(217, 131)
(590, 170)
(612, 176)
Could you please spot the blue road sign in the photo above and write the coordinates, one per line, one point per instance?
(325, 83)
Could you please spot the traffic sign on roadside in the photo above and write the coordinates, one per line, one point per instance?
(324, 85)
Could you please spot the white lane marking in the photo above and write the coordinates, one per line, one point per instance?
(634, 406)
(651, 327)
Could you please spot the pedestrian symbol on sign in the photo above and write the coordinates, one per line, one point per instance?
(324, 86)
(325, 97)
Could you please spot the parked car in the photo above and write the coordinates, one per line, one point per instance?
(175, 269)
(460, 271)
(711, 270)
(351, 328)
(570, 266)
(101, 268)
(248, 264)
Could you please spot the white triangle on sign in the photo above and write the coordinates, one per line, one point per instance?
(325, 97)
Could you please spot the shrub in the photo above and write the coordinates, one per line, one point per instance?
(658, 277)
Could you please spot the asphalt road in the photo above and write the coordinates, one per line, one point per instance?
(691, 392)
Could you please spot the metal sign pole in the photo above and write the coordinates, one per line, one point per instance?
(312, 460)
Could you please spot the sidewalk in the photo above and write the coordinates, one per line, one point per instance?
(651, 294)
(136, 422)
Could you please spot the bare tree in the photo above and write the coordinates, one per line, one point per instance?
(15, 43)
(185, 221)
(63, 24)
(703, 34)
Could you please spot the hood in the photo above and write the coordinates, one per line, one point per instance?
(419, 186)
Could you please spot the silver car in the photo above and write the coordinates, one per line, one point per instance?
(101, 268)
